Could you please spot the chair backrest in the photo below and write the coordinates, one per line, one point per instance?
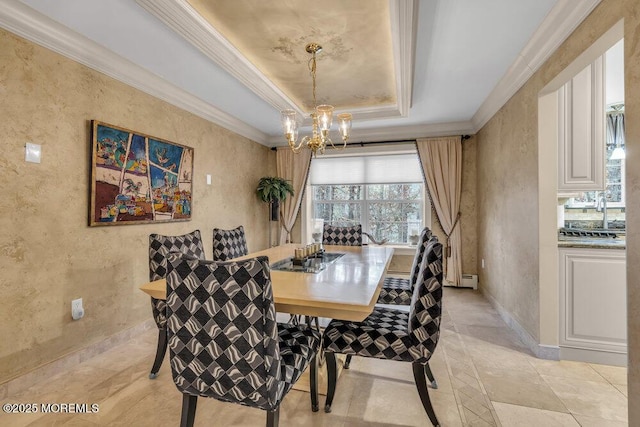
(345, 236)
(426, 303)
(229, 244)
(160, 246)
(423, 241)
(222, 332)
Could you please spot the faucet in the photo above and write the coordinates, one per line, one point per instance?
(602, 207)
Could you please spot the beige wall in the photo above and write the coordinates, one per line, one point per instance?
(48, 254)
(508, 185)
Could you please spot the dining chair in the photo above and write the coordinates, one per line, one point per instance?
(345, 236)
(398, 290)
(224, 341)
(229, 244)
(395, 334)
(159, 248)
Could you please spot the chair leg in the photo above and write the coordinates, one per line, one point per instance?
(273, 417)
(347, 362)
(421, 385)
(188, 410)
(313, 383)
(160, 352)
(430, 377)
(332, 377)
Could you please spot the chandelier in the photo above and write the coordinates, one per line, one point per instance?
(321, 117)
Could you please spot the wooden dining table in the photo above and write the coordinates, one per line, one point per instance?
(346, 288)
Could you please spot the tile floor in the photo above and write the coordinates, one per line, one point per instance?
(486, 378)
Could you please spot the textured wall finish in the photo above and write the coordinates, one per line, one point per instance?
(48, 254)
(469, 206)
(508, 193)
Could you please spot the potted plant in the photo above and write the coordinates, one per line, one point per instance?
(273, 190)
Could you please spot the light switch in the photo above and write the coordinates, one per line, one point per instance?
(208, 179)
(32, 152)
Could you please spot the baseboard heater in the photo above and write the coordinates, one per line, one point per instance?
(470, 281)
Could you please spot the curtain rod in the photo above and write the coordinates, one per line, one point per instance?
(393, 141)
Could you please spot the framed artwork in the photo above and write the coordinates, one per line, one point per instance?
(137, 178)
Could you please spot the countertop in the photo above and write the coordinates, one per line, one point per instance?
(592, 242)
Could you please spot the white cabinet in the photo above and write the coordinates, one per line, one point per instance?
(593, 308)
(581, 139)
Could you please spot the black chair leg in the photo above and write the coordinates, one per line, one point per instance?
(347, 362)
(160, 352)
(313, 383)
(332, 376)
(188, 410)
(421, 384)
(273, 417)
(430, 377)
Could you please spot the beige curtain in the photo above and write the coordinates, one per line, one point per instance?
(441, 160)
(294, 168)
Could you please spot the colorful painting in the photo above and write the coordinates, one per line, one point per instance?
(137, 178)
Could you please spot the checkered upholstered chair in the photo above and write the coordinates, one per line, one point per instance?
(224, 341)
(398, 290)
(345, 236)
(229, 244)
(159, 248)
(395, 334)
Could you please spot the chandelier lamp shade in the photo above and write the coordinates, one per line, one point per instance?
(322, 118)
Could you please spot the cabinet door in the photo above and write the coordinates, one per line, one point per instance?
(593, 295)
(581, 141)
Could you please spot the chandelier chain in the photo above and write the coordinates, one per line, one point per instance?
(312, 68)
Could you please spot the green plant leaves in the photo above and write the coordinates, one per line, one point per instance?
(273, 188)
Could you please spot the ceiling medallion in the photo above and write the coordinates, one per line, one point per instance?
(321, 117)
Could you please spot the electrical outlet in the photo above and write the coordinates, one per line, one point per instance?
(77, 312)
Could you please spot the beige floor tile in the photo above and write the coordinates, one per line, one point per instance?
(396, 403)
(566, 369)
(502, 336)
(613, 374)
(478, 358)
(590, 398)
(623, 389)
(598, 422)
(522, 416)
(520, 388)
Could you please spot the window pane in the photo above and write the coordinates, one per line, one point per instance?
(339, 214)
(338, 192)
(392, 231)
(395, 192)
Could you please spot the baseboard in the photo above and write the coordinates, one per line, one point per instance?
(24, 381)
(593, 356)
(541, 351)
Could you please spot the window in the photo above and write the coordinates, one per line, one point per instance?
(384, 193)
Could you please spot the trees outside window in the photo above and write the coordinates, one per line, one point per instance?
(386, 211)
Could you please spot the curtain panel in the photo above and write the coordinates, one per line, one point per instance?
(441, 160)
(294, 168)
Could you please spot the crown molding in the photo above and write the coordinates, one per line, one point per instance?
(561, 21)
(183, 19)
(404, 30)
(25, 22)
